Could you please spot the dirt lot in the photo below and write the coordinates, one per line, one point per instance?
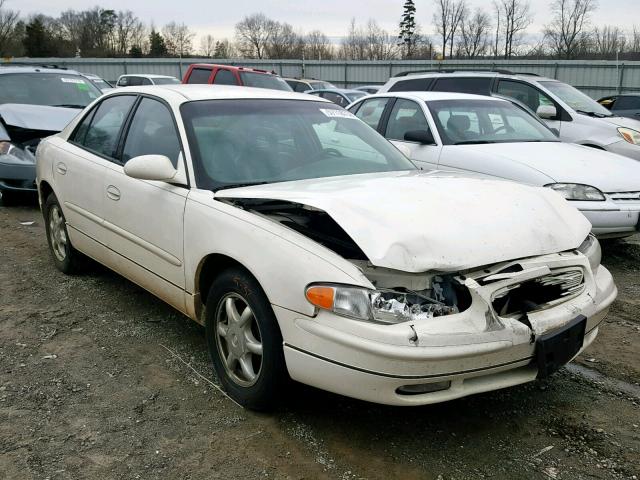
(98, 379)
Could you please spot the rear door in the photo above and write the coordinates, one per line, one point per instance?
(144, 219)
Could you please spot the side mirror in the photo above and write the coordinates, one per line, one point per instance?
(151, 167)
(423, 137)
(546, 111)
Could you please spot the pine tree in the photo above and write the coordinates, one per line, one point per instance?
(157, 47)
(407, 37)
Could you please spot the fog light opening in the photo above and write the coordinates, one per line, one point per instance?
(422, 388)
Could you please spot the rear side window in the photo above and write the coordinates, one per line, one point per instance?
(199, 75)
(335, 98)
(152, 132)
(300, 87)
(478, 85)
(134, 81)
(123, 82)
(411, 85)
(370, 111)
(225, 77)
(102, 134)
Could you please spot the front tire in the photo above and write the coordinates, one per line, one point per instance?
(66, 258)
(244, 341)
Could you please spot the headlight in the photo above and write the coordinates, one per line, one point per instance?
(630, 135)
(382, 306)
(10, 153)
(577, 191)
(590, 248)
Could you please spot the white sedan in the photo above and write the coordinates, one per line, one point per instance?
(494, 137)
(338, 264)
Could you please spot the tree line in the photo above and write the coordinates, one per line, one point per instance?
(458, 31)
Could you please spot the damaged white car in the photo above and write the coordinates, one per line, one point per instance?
(312, 249)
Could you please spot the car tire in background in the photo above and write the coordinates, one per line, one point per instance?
(244, 340)
(66, 258)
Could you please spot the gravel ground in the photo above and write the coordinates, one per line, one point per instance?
(99, 379)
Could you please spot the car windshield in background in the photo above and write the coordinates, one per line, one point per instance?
(353, 96)
(319, 85)
(486, 121)
(577, 100)
(165, 81)
(53, 89)
(264, 80)
(100, 83)
(237, 143)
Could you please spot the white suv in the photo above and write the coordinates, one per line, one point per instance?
(577, 117)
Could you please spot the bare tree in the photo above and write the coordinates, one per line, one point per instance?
(634, 42)
(608, 40)
(284, 42)
(474, 34)
(253, 33)
(567, 32)
(207, 45)
(8, 22)
(318, 46)
(126, 25)
(449, 14)
(370, 42)
(178, 39)
(224, 49)
(354, 45)
(516, 17)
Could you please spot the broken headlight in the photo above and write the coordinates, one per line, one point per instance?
(383, 306)
(590, 248)
(10, 153)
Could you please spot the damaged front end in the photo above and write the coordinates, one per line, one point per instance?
(17, 157)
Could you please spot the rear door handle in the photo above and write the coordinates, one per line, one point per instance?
(61, 168)
(113, 193)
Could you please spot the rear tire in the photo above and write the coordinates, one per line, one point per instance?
(244, 341)
(66, 258)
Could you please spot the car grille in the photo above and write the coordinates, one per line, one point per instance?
(625, 196)
(538, 293)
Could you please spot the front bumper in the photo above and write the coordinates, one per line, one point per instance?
(17, 177)
(624, 148)
(370, 362)
(611, 219)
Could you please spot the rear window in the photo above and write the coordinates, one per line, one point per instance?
(411, 85)
(478, 85)
(199, 75)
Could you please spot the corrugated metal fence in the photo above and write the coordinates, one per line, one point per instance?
(596, 78)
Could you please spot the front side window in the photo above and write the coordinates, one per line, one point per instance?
(52, 89)
(102, 134)
(577, 100)
(477, 85)
(524, 93)
(152, 132)
(370, 111)
(263, 80)
(627, 103)
(199, 76)
(406, 116)
(486, 121)
(264, 141)
(135, 81)
(225, 77)
(411, 85)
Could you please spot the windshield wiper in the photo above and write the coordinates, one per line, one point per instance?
(474, 142)
(239, 185)
(593, 114)
(69, 105)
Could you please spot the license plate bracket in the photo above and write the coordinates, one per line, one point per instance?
(555, 349)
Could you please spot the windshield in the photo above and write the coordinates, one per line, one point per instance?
(575, 98)
(165, 81)
(100, 83)
(486, 121)
(320, 85)
(53, 89)
(244, 142)
(353, 96)
(264, 80)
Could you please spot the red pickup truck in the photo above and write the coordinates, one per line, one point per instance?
(210, 73)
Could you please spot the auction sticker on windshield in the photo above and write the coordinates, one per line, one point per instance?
(72, 80)
(337, 113)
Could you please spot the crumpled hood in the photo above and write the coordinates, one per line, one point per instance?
(566, 162)
(37, 117)
(418, 221)
(623, 122)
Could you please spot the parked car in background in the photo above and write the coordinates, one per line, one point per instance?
(134, 80)
(303, 84)
(204, 73)
(577, 117)
(35, 102)
(339, 96)
(623, 105)
(370, 89)
(309, 247)
(490, 136)
(102, 84)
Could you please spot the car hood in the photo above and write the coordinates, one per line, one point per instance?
(418, 221)
(623, 122)
(566, 162)
(37, 117)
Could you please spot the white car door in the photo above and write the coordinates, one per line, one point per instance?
(144, 219)
(79, 167)
(408, 116)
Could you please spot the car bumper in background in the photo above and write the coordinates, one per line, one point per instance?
(18, 178)
(364, 367)
(612, 220)
(624, 148)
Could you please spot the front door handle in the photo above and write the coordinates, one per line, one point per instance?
(61, 168)
(113, 193)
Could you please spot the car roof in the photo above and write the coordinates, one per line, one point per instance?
(197, 92)
(471, 73)
(231, 67)
(146, 75)
(9, 68)
(432, 96)
(337, 90)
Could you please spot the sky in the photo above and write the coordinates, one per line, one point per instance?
(330, 16)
